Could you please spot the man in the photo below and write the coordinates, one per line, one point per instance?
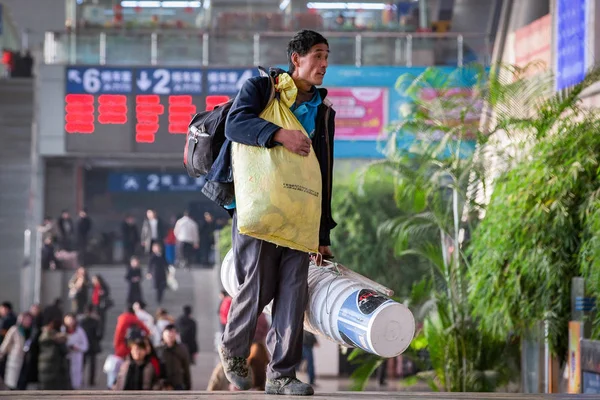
(125, 322)
(139, 307)
(130, 236)
(158, 271)
(84, 227)
(66, 231)
(224, 307)
(188, 239)
(152, 231)
(207, 239)
(8, 318)
(267, 271)
(187, 327)
(176, 360)
(91, 325)
(309, 341)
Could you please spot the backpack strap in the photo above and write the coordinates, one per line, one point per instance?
(263, 72)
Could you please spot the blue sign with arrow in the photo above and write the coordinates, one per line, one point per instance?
(228, 81)
(153, 182)
(98, 80)
(167, 81)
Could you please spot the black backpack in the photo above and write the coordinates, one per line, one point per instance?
(206, 135)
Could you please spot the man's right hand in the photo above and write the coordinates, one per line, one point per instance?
(293, 140)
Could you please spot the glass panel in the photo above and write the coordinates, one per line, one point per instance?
(231, 50)
(476, 50)
(87, 48)
(60, 47)
(428, 51)
(342, 50)
(183, 49)
(383, 51)
(130, 49)
(273, 50)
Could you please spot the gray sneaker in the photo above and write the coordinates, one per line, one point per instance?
(288, 386)
(236, 370)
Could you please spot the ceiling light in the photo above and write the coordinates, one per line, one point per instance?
(345, 6)
(284, 4)
(158, 4)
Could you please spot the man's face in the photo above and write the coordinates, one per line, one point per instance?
(34, 310)
(170, 337)
(312, 66)
(3, 311)
(138, 352)
(150, 214)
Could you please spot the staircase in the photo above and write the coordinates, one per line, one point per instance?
(16, 116)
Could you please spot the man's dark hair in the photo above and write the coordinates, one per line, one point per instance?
(187, 310)
(302, 43)
(7, 304)
(170, 327)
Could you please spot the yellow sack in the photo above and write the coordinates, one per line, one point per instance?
(278, 193)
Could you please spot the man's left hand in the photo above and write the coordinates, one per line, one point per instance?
(325, 251)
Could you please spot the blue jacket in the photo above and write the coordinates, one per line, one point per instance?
(244, 126)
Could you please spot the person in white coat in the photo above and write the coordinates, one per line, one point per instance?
(77, 343)
(147, 319)
(188, 238)
(16, 343)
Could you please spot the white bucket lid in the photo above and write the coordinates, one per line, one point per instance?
(391, 330)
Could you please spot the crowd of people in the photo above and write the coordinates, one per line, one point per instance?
(50, 350)
(69, 243)
(152, 353)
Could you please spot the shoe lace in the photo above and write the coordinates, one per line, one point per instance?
(287, 380)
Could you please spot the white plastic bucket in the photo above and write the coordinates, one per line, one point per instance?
(347, 309)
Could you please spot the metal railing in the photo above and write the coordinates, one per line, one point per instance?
(194, 48)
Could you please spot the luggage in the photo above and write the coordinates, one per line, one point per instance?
(278, 193)
(205, 137)
(347, 309)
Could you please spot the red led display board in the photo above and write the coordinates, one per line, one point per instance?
(181, 111)
(112, 109)
(125, 123)
(135, 110)
(147, 112)
(79, 113)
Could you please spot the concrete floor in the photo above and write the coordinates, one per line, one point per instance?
(261, 396)
(199, 288)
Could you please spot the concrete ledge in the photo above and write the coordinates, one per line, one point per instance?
(82, 395)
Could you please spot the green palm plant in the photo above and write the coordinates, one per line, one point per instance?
(540, 228)
(437, 207)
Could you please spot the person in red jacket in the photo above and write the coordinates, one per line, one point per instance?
(224, 307)
(125, 321)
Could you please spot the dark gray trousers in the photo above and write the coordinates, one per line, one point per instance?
(268, 272)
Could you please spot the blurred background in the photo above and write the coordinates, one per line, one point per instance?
(96, 97)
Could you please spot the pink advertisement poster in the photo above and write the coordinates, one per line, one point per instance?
(361, 113)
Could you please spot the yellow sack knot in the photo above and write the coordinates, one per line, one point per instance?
(287, 89)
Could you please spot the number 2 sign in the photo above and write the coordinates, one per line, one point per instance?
(166, 81)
